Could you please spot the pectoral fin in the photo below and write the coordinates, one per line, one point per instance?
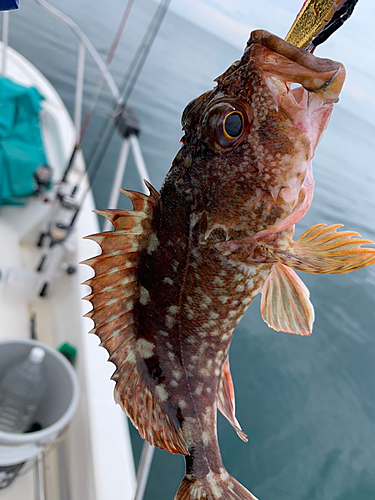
(285, 304)
(323, 250)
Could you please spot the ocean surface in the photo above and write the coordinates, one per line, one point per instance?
(307, 404)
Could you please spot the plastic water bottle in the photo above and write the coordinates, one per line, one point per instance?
(21, 391)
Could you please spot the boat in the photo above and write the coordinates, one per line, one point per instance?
(97, 460)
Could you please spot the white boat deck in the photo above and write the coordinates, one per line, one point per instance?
(99, 457)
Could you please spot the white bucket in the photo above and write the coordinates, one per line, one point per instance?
(58, 406)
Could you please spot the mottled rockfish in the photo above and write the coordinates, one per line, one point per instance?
(178, 272)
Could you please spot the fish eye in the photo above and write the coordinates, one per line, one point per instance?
(226, 123)
(233, 125)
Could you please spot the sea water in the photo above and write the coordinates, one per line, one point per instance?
(307, 404)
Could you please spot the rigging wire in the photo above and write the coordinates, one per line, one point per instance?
(108, 62)
(127, 86)
(131, 76)
(96, 94)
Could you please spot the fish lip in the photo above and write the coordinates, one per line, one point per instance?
(293, 64)
(293, 53)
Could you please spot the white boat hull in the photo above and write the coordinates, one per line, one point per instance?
(99, 458)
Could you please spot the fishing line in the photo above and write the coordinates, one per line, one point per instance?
(127, 88)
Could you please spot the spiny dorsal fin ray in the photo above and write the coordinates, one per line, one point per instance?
(118, 337)
(152, 190)
(101, 298)
(122, 219)
(107, 282)
(107, 263)
(141, 201)
(285, 303)
(226, 401)
(120, 324)
(111, 241)
(115, 291)
(115, 308)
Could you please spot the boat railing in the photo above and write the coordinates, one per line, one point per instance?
(84, 45)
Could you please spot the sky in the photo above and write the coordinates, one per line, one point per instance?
(353, 44)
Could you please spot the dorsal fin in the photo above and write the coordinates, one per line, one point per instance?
(226, 402)
(115, 289)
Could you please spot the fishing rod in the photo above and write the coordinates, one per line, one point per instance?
(56, 228)
(63, 199)
(60, 231)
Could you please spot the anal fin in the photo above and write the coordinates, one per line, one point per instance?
(138, 400)
(226, 401)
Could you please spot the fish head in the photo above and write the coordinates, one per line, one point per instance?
(249, 142)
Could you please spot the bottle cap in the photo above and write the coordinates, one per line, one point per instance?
(37, 355)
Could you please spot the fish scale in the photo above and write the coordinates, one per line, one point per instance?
(178, 271)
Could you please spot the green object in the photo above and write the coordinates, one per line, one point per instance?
(69, 351)
(21, 147)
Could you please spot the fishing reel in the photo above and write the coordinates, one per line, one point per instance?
(65, 206)
(58, 232)
(54, 256)
(43, 179)
(68, 202)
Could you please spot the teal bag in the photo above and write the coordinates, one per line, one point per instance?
(21, 146)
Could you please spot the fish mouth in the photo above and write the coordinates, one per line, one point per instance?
(296, 65)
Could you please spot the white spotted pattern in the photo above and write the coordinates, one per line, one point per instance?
(144, 295)
(145, 348)
(161, 392)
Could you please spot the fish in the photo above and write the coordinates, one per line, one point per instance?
(179, 270)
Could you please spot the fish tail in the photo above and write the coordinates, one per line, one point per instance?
(220, 486)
